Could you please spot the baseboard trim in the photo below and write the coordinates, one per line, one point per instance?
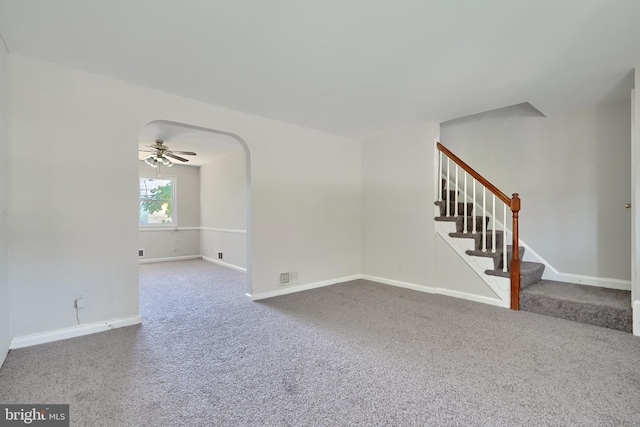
(438, 291)
(603, 282)
(399, 284)
(224, 264)
(72, 332)
(636, 318)
(472, 297)
(299, 288)
(175, 258)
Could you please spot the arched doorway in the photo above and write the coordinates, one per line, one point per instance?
(211, 217)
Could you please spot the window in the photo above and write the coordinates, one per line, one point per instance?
(157, 200)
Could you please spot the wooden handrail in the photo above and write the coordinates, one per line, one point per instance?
(514, 204)
(506, 199)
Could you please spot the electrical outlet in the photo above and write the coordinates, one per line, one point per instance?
(80, 302)
(219, 255)
(293, 277)
(140, 252)
(285, 278)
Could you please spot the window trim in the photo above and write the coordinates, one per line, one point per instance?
(174, 200)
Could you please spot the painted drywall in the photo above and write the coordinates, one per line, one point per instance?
(452, 273)
(175, 242)
(71, 239)
(5, 314)
(397, 205)
(223, 212)
(635, 208)
(572, 173)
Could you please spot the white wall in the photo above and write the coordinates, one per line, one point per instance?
(572, 173)
(175, 242)
(223, 212)
(397, 206)
(5, 314)
(70, 239)
(635, 209)
(453, 274)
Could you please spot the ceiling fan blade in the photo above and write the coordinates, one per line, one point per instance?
(148, 151)
(186, 153)
(173, 156)
(147, 157)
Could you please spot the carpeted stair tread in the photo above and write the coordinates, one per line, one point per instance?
(530, 273)
(610, 308)
(452, 207)
(582, 293)
(459, 220)
(497, 255)
(478, 238)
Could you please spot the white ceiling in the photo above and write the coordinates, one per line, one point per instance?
(207, 145)
(350, 67)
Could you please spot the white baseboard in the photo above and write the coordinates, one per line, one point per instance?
(399, 284)
(175, 258)
(636, 318)
(224, 264)
(72, 332)
(299, 288)
(439, 291)
(385, 281)
(473, 297)
(603, 282)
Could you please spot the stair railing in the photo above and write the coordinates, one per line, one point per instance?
(512, 202)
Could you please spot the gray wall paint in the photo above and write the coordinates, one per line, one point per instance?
(176, 243)
(397, 205)
(573, 175)
(5, 313)
(223, 202)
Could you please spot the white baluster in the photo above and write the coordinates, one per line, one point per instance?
(504, 239)
(484, 222)
(473, 220)
(440, 176)
(455, 197)
(464, 200)
(493, 235)
(448, 189)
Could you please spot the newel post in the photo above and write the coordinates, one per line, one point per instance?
(515, 256)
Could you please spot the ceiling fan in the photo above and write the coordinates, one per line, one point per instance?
(160, 154)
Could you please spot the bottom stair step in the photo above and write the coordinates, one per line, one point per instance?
(609, 308)
(530, 272)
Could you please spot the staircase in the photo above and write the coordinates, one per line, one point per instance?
(610, 308)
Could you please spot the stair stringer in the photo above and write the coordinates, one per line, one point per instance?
(501, 286)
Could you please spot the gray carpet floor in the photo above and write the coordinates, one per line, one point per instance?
(351, 354)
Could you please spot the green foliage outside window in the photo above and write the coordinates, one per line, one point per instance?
(156, 197)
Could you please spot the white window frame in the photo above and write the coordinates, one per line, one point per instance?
(174, 200)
